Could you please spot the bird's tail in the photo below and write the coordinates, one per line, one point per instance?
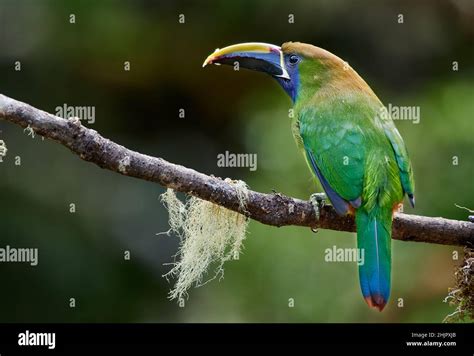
(374, 240)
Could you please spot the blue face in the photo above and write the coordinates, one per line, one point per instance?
(291, 85)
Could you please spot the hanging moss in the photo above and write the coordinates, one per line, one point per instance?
(209, 233)
(462, 295)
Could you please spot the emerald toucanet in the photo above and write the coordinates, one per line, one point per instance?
(348, 140)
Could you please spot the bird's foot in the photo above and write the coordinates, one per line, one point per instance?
(318, 200)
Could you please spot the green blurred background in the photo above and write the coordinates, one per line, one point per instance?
(81, 255)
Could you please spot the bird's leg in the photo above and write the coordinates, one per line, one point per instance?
(318, 200)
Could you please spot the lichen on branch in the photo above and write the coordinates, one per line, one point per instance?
(461, 295)
(210, 235)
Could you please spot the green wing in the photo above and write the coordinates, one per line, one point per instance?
(401, 155)
(345, 142)
(335, 152)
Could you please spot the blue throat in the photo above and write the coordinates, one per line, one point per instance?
(291, 85)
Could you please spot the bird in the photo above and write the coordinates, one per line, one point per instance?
(349, 141)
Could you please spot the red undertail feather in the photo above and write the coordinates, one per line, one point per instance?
(376, 301)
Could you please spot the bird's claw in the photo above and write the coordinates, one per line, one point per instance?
(318, 200)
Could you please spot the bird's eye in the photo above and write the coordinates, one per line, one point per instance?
(294, 59)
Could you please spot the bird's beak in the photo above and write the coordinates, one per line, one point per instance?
(257, 56)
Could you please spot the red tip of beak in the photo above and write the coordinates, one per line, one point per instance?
(375, 301)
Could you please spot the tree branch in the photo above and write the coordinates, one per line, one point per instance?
(270, 209)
